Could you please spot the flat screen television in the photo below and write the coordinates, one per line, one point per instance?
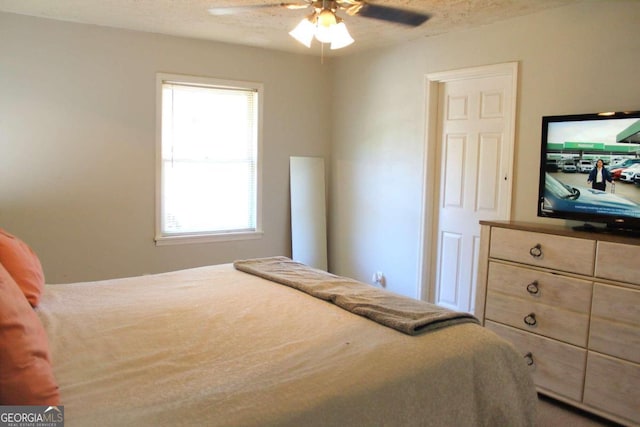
(571, 146)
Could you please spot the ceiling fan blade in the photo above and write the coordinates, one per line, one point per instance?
(231, 10)
(392, 14)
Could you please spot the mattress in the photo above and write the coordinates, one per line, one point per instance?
(219, 347)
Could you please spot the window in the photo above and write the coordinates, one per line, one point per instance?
(208, 155)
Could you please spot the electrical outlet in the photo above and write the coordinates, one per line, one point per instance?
(378, 278)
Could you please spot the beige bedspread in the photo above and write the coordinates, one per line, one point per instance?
(213, 346)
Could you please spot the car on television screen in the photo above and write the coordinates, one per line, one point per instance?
(615, 173)
(569, 166)
(624, 163)
(551, 166)
(617, 168)
(562, 197)
(629, 174)
(584, 166)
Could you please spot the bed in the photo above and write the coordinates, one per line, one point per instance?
(217, 346)
(263, 342)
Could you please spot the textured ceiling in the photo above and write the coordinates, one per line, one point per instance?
(268, 27)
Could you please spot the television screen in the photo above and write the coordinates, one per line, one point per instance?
(590, 169)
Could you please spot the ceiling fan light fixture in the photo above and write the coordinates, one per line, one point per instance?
(304, 32)
(325, 21)
(340, 36)
(326, 18)
(325, 26)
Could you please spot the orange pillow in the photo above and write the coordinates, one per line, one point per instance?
(23, 265)
(26, 375)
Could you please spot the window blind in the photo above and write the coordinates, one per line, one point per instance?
(209, 159)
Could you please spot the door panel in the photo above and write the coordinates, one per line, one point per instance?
(450, 268)
(488, 164)
(454, 162)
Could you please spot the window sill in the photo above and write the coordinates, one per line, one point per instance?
(206, 238)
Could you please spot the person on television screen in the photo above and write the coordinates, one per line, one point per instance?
(599, 176)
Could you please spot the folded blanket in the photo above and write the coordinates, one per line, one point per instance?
(405, 314)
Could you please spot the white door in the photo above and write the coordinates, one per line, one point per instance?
(473, 155)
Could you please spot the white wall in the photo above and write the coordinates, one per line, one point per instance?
(77, 142)
(577, 59)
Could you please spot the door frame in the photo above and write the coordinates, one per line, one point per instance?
(428, 246)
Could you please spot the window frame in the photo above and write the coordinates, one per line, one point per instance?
(161, 238)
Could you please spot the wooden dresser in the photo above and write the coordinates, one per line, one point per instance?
(570, 303)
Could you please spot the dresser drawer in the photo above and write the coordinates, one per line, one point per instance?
(553, 322)
(555, 366)
(537, 286)
(617, 261)
(615, 322)
(543, 250)
(612, 385)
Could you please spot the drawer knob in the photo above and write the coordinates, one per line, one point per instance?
(529, 358)
(536, 251)
(533, 288)
(530, 319)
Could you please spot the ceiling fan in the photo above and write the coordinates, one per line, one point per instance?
(326, 26)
